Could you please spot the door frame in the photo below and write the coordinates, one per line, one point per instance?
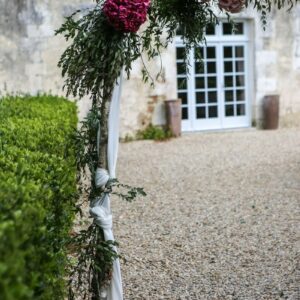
(219, 41)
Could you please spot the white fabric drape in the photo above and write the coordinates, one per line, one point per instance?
(115, 292)
(101, 208)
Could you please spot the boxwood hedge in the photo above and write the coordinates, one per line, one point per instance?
(37, 195)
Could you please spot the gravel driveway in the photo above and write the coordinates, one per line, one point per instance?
(221, 219)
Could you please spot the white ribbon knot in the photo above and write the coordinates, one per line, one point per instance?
(101, 217)
(101, 178)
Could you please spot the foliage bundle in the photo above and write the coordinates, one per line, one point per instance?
(156, 133)
(37, 195)
(103, 45)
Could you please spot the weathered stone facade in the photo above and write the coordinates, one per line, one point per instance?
(277, 60)
(29, 53)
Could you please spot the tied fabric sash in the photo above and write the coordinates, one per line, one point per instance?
(100, 210)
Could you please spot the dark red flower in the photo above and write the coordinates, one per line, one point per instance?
(232, 6)
(126, 15)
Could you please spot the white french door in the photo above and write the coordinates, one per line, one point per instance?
(215, 93)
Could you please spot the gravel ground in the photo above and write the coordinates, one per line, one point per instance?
(221, 218)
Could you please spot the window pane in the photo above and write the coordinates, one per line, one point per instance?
(211, 67)
(241, 110)
(199, 68)
(229, 96)
(240, 80)
(239, 66)
(240, 95)
(237, 29)
(227, 29)
(179, 31)
(229, 110)
(200, 97)
(228, 67)
(228, 81)
(212, 97)
(227, 52)
(210, 29)
(211, 82)
(180, 53)
(185, 113)
(181, 68)
(200, 113)
(199, 52)
(239, 51)
(181, 83)
(200, 83)
(183, 97)
(211, 52)
(212, 111)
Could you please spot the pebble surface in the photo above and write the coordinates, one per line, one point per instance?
(220, 219)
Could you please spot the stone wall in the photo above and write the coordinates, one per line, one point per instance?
(277, 55)
(143, 104)
(29, 53)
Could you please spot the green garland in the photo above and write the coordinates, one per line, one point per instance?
(91, 66)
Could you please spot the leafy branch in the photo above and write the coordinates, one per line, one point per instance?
(126, 192)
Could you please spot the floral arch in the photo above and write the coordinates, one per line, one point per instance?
(105, 41)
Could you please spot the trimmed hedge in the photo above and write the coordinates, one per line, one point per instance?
(37, 195)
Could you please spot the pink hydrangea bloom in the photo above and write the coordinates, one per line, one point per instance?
(232, 6)
(126, 15)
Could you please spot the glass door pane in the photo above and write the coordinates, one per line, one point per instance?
(182, 81)
(234, 80)
(206, 84)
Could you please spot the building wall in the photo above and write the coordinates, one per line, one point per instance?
(277, 55)
(274, 65)
(143, 104)
(29, 53)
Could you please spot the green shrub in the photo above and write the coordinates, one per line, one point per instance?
(154, 133)
(37, 195)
